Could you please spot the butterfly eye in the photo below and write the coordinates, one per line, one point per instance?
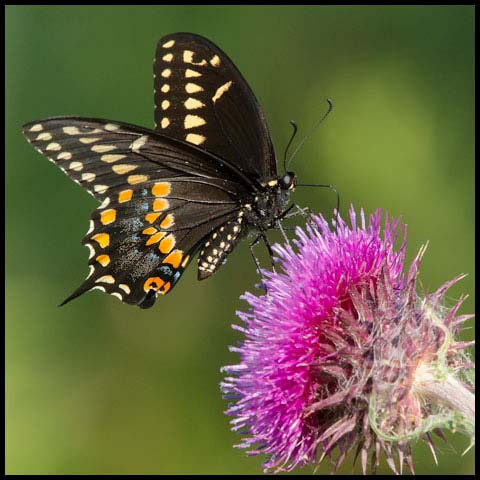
(287, 181)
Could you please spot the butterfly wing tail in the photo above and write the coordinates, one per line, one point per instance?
(83, 288)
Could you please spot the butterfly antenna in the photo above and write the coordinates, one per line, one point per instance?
(312, 131)
(324, 185)
(295, 130)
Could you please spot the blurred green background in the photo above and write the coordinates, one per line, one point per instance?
(101, 387)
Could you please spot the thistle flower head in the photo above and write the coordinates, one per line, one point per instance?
(341, 353)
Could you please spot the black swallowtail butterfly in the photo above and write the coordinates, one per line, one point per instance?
(203, 179)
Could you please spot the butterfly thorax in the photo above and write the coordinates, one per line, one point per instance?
(268, 205)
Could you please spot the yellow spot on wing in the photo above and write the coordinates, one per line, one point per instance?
(105, 203)
(134, 179)
(98, 287)
(36, 128)
(71, 130)
(221, 90)
(169, 44)
(165, 104)
(88, 177)
(193, 103)
(165, 88)
(168, 57)
(195, 139)
(108, 216)
(125, 288)
(44, 136)
(103, 239)
(100, 188)
(111, 127)
(215, 61)
(105, 279)
(53, 146)
(185, 261)
(193, 121)
(188, 58)
(189, 73)
(174, 258)
(125, 196)
(88, 140)
(123, 168)
(103, 148)
(161, 189)
(166, 73)
(90, 273)
(165, 122)
(139, 143)
(109, 158)
(103, 260)
(77, 166)
(193, 88)
(64, 156)
(91, 250)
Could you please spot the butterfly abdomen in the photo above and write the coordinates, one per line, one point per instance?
(219, 244)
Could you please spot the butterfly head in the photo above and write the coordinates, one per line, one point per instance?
(287, 181)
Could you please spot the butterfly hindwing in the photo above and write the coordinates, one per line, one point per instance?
(219, 244)
(144, 242)
(202, 98)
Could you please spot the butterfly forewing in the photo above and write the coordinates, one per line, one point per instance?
(202, 98)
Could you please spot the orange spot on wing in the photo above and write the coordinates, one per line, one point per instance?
(174, 258)
(167, 244)
(103, 260)
(165, 288)
(108, 216)
(103, 239)
(167, 222)
(151, 217)
(125, 196)
(155, 238)
(149, 231)
(161, 189)
(153, 283)
(160, 204)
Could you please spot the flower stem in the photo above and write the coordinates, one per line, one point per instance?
(446, 390)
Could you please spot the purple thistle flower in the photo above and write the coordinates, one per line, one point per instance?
(341, 352)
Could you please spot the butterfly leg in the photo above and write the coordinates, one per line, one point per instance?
(283, 229)
(255, 259)
(287, 213)
(263, 237)
(304, 212)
